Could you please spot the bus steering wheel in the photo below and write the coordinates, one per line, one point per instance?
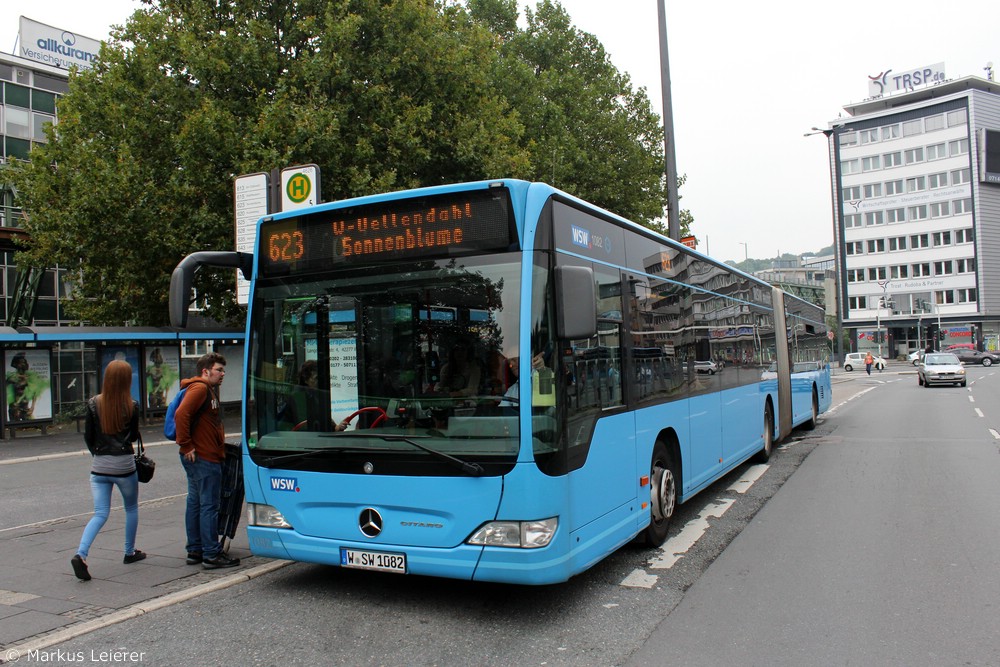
(382, 416)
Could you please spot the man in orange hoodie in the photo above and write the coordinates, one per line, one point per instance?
(202, 439)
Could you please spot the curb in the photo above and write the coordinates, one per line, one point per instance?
(14, 653)
(84, 452)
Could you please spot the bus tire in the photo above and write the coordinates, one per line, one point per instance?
(662, 494)
(765, 453)
(811, 423)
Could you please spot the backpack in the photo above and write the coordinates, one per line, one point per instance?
(170, 421)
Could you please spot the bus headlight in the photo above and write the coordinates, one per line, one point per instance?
(515, 534)
(265, 516)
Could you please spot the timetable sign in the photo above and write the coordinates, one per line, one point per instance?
(251, 204)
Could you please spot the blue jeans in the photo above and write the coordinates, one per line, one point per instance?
(202, 515)
(100, 486)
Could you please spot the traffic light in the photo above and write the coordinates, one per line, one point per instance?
(881, 302)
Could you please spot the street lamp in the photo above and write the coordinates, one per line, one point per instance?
(746, 254)
(838, 303)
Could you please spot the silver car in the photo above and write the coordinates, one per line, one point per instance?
(941, 368)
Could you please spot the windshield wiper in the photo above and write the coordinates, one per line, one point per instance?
(269, 461)
(469, 468)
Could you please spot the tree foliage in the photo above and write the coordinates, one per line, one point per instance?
(381, 94)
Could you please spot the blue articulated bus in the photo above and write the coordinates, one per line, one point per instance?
(497, 381)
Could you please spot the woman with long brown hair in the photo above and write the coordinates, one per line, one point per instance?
(110, 428)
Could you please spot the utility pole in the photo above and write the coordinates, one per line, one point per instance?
(670, 170)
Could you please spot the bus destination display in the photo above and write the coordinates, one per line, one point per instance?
(441, 226)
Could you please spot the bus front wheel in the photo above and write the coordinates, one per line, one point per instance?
(765, 453)
(662, 494)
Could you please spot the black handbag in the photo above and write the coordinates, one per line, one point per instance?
(144, 466)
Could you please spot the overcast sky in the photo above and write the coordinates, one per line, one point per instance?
(748, 79)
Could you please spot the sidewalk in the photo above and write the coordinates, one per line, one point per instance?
(43, 604)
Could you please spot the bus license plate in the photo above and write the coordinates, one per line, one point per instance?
(373, 560)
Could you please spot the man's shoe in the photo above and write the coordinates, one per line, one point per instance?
(135, 557)
(80, 568)
(219, 561)
(194, 558)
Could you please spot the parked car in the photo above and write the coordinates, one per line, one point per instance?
(941, 368)
(854, 360)
(967, 356)
(959, 346)
(709, 367)
(915, 357)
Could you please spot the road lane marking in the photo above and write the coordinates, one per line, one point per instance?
(972, 399)
(752, 474)
(993, 432)
(980, 412)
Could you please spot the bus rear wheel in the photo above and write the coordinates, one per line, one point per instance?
(765, 453)
(662, 495)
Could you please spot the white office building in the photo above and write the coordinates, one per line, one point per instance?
(917, 230)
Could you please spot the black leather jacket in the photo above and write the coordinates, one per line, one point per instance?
(103, 444)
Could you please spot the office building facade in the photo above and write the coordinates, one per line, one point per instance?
(917, 223)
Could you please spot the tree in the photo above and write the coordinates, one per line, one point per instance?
(382, 94)
(587, 130)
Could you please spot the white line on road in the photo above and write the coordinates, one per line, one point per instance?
(752, 474)
(972, 399)
(993, 432)
(980, 412)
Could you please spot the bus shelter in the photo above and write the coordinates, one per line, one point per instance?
(51, 372)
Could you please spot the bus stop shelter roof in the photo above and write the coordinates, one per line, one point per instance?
(113, 334)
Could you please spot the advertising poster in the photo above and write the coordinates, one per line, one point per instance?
(163, 375)
(123, 353)
(29, 385)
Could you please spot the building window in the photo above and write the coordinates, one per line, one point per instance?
(852, 220)
(943, 268)
(43, 101)
(18, 123)
(939, 180)
(932, 123)
(876, 273)
(956, 117)
(890, 132)
(940, 209)
(848, 138)
(913, 127)
(918, 241)
(960, 206)
(946, 296)
(855, 275)
(896, 272)
(857, 303)
(892, 159)
(871, 163)
(965, 266)
(960, 176)
(916, 184)
(869, 136)
(897, 243)
(967, 295)
(38, 123)
(850, 166)
(937, 151)
(873, 190)
(963, 235)
(913, 155)
(16, 95)
(874, 218)
(917, 212)
(895, 215)
(852, 193)
(18, 148)
(941, 238)
(894, 187)
(854, 248)
(921, 270)
(876, 245)
(958, 147)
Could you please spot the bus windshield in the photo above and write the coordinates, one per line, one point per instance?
(410, 366)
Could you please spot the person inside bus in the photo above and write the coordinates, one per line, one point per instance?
(460, 374)
(513, 394)
(304, 404)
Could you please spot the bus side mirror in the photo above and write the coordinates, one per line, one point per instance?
(576, 303)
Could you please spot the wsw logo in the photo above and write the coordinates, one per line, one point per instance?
(583, 238)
